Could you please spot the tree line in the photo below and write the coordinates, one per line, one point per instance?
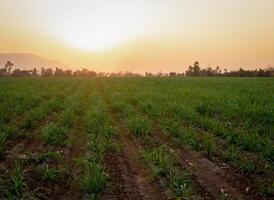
(59, 72)
(194, 70)
(7, 71)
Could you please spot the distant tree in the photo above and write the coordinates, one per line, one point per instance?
(218, 70)
(172, 74)
(101, 74)
(49, 72)
(91, 74)
(189, 72)
(159, 74)
(84, 72)
(46, 72)
(130, 74)
(7, 69)
(16, 73)
(43, 71)
(196, 69)
(241, 72)
(68, 72)
(21, 73)
(149, 74)
(34, 72)
(114, 74)
(59, 72)
(26, 72)
(77, 73)
(8, 66)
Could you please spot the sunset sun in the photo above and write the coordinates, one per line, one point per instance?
(100, 41)
(94, 37)
(141, 35)
(95, 27)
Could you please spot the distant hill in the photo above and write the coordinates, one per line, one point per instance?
(29, 61)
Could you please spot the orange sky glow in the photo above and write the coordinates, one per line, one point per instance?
(141, 35)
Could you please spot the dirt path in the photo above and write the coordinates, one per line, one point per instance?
(130, 176)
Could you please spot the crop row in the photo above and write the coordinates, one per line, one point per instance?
(163, 161)
(29, 174)
(100, 131)
(187, 134)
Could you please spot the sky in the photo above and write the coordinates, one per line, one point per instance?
(141, 35)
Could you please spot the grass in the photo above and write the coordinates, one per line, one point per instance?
(165, 164)
(55, 135)
(161, 160)
(194, 112)
(13, 183)
(246, 165)
(199, 112)
(98, 148)
(17, 180)
(44, 157)
(139, 125)
(26, 178)
(208, 144)
(95, 178)
(182, 184)
(100, 131)
(40, 112)
(66, 118)
(50, 174)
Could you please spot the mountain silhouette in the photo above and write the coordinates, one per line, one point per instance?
(29, 61)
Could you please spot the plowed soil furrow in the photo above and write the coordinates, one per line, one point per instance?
(128, 171)
(29, 142)
(123, 185)
(76, 149)
(221, 143)
(232, 182)
(208, 175)
(245, 183)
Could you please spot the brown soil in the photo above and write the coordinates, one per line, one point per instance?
(239, 184)
(214, 178)
(221, 143)
(246, 183)
(27, 142)
(76, 149)
(129, 174)
(64, 187)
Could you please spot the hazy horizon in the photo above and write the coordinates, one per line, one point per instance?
(141, 35)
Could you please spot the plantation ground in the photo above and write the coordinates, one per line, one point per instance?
(136, 138)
